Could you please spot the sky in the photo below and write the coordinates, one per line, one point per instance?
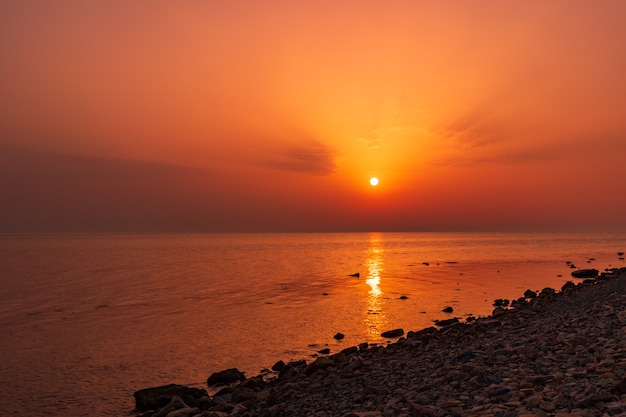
(272, 116)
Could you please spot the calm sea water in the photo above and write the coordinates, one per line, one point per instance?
(87, 320)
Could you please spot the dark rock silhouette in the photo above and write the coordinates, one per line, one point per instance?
(530, 294)
(393, 333)
(585, 273)
(447, 322)
(157, 397)
(356, 275)
(278, 366)
(225, 377)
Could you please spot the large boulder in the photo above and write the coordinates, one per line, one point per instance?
(157, 397)
(226, 377)
(585, 273)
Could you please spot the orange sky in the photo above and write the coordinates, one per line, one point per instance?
(273, 115)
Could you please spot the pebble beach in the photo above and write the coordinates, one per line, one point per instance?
(555, 352)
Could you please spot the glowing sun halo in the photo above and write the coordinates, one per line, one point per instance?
(373, 181)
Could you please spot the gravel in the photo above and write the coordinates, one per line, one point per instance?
(556, 353)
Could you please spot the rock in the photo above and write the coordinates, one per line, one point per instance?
(547, 406)
(322, 362)
(223, 392)
(620, 387)
(299, 364)
(568, 286)
(530, 294)
(417, 410)
(157, 397)
(356, 275)
(352, 350)
(585, 273)
(324, 351)
(448, 309)
(256, 382)
(519, 303)
(561, 354)
(339, 336)
(175, 404)
(533, 401)
(226, 377)
(184, 412)
(465, 356)
(390, 334)
(288, 372)
(597, 398)
(498, 311)
(278, 366)
(447, 322)
(241, 394)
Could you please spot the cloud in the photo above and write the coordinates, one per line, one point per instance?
(371, 143)
(308, 156)
(507, 158)
(474, 129)
(74, 168)
(63, 192)
(570, 148)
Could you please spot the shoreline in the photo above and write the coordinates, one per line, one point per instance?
(548, 354)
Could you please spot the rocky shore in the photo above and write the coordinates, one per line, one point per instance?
(552, 353)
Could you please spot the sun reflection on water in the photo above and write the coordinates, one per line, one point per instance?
(375, 318)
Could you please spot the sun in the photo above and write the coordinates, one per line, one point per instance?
(373, 181)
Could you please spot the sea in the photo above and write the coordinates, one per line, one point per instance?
(87, 320)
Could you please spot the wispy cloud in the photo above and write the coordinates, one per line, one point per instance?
(475, 129)
(501, 158)
(370, 143)
(307, 156)
(79, 167)
(584, 146)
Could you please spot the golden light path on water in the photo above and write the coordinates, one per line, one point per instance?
(374, 319)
